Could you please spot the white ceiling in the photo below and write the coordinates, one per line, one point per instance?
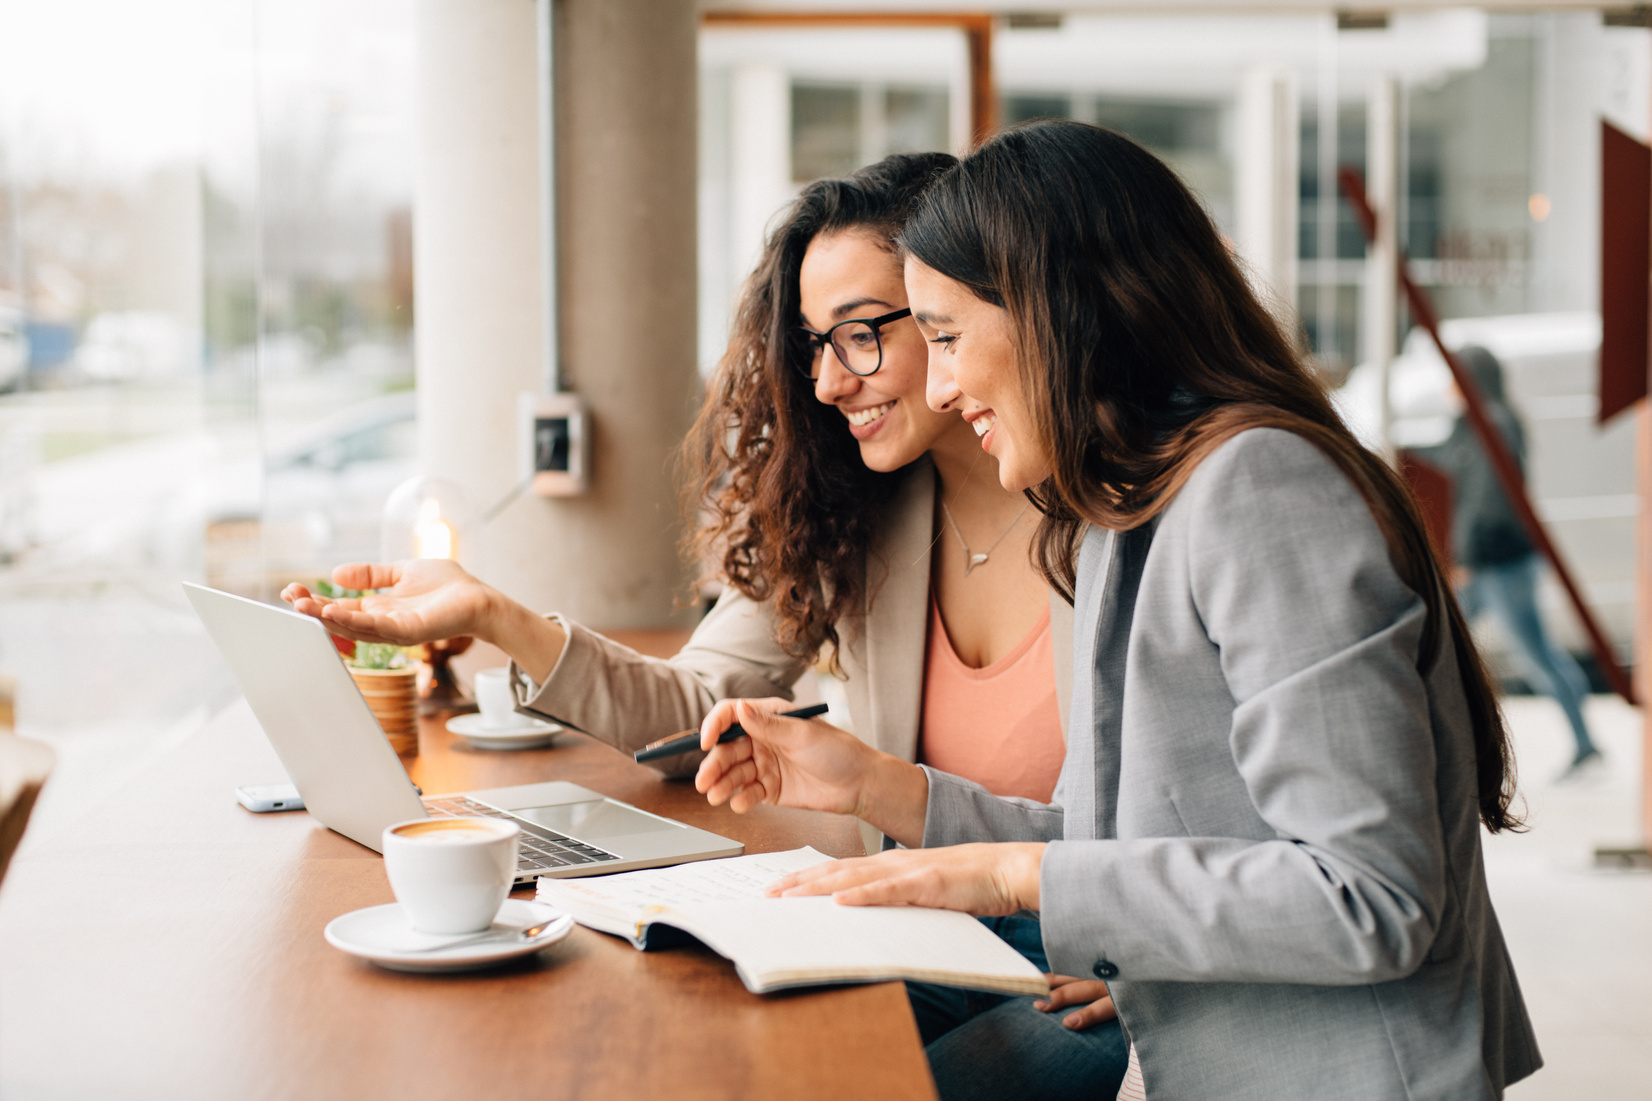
(1194, 56)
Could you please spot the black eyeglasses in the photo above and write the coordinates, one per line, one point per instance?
(857, 343)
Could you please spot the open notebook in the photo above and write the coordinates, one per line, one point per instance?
(777, 943)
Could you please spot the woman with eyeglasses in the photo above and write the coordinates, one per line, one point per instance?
(844, 515)
(1266, 836)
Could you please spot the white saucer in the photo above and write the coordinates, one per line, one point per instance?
(525, 733)
(381, 934)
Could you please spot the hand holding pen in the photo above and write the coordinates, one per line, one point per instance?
(790, 762)
(690, 739)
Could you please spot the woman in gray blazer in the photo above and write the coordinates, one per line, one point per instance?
(1283, 744)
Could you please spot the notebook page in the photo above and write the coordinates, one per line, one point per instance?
(797, 941)
(629, 895)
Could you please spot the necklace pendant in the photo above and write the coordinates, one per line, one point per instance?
(973, 560)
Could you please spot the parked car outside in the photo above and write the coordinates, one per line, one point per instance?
(14, 348)
(132, 345)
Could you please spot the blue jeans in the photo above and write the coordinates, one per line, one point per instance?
(1509, 591)
(983, 1046)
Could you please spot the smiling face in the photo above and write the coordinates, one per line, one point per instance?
(851, 273)
(973, 371)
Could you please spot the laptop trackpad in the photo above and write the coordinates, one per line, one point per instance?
(594, 820)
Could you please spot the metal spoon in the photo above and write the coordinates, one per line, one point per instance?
(522, 935)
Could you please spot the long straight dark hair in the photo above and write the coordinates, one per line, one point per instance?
(1142, 348)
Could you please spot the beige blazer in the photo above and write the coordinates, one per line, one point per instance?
(627, 700)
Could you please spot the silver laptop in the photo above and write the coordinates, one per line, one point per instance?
(353, 782)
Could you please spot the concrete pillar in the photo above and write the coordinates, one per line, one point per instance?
(1379, 314)
(476, 257)
(625, 86)
(1269, 150)
(760, 156)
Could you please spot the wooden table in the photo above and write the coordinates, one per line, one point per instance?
(170, 945)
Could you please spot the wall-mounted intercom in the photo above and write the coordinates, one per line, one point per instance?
(556, 444)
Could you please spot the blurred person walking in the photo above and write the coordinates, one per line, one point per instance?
(1497, 557)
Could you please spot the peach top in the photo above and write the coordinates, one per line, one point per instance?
(999, 726)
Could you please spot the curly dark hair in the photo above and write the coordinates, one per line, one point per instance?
(789, 507)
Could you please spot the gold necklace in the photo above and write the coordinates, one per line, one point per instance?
(973, 560)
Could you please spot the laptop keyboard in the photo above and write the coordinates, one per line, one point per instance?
(541, 850)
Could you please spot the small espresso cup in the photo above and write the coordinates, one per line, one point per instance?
(451, 875)
(495, 698)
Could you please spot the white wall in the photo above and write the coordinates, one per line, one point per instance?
(1585, 71)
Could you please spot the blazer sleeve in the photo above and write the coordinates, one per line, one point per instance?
(628, 700)
(1332, 735)
(961, 810)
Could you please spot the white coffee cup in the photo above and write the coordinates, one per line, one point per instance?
(495, 698)
(451, 875)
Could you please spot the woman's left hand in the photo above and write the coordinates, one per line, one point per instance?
(1090, 995)
(985, 879)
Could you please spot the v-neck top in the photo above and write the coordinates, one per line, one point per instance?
(1000, 725)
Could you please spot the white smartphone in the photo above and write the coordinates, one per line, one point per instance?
(260, 798)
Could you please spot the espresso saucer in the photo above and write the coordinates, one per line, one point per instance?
(382, 935)
(524, 733)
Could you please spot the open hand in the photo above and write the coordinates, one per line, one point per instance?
(425, 599)
(984, 879)
(784, 762)
(1090, 995)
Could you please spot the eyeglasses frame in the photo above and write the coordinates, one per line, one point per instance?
(818, 342)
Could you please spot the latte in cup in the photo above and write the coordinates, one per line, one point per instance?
(451, 875)
(447, 829)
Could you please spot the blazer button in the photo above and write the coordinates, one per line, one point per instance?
(1106, 969)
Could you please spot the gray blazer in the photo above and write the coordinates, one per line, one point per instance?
(1265, 834)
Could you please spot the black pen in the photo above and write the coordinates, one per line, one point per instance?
(690, 739)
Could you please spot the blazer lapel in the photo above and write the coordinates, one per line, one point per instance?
(1109, 575)
(898, 592)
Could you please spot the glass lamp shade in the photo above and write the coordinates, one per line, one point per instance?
(426, 518)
